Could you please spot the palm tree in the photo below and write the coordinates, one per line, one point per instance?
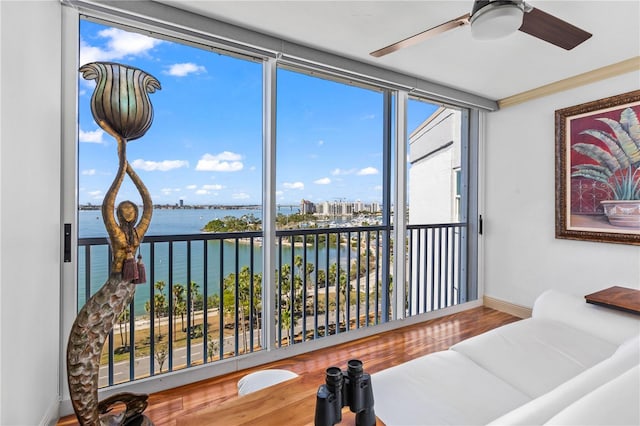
(332, 273)
(257, 302)
(194, 295)
(123, 319)
(159, 304)
(212, 347)
(297, 261)
(179, 306)
(309, 270)
(161, 353)
(321, 278)
(284, 281)
(245, 304)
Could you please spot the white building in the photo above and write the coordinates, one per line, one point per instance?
(434, 157)
(434, 198)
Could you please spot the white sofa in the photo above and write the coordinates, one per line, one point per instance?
(571, 363)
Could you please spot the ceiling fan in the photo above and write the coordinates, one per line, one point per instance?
(491, 19)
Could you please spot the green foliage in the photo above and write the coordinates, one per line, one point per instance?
(123, 319)
(240, 287)
(618, 167)
(161, 353)
(160, 304)
(247, 222)
(212, 347)
(293, 221)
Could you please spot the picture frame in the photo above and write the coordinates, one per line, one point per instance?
(598, 170)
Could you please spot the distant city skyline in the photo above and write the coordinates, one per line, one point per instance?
(180, 203)
(205, 145)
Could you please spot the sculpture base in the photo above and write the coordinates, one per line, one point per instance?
(116, 420)
(140, 420)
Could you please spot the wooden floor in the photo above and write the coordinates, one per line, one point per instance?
(377, 352)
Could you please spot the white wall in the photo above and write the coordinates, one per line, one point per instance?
(431, 189)
(30, 211)
(522, 256)
(431, 178)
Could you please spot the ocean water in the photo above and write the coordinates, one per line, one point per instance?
(166, 221)
(180, 222)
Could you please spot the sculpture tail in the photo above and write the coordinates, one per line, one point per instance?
(93, 324)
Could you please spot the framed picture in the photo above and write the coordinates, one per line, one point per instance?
(598, 170)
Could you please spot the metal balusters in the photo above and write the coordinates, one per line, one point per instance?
(434, 264)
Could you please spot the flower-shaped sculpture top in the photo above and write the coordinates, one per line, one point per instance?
(120, 103)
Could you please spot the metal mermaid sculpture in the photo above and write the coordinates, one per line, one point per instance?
(121, 106)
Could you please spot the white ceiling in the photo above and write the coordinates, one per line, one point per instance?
(493, 69)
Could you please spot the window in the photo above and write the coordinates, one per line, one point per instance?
(436, 223)
(329, 165)
(336, 168)
(201, 161)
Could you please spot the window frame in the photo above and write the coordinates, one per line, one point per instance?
(396, 95)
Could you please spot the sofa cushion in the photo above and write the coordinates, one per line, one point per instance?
(617, 402)
(535, 355)
(441, 388)
(608, 324)
(543, 408)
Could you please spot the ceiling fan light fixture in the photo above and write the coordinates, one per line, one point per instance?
(496, 20)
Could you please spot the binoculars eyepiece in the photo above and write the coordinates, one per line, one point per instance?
(350, 388)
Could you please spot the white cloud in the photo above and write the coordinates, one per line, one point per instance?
(94, 136)
(90, 53)
(184, 69)
(368, 116)
(207, 189)
(241, 196)
(320, 142)
(161, 166)
(338, 172)
(169, 191)
(322, 181)
(224, 162)
(192, 187)
(96, 194)
(368, 171)
(212, 187)
(89, 172)
(120, 44)
(279, 193)
(126, 43)
(228, 156)
(293, 185)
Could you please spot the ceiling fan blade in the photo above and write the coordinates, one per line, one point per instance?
(431, 32)
(553, 30)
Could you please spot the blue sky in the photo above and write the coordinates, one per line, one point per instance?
(205, 144)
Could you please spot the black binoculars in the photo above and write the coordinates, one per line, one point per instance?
(345, 388)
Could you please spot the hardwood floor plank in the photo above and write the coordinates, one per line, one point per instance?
(377, 352)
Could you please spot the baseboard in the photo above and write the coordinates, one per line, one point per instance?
(510, 308)
(51, 417)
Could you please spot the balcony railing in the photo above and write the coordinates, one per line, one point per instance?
(437, 267)
(202, 301)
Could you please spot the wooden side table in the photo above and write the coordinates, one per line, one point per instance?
(620, 298)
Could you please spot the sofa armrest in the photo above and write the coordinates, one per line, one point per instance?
(607, 324)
